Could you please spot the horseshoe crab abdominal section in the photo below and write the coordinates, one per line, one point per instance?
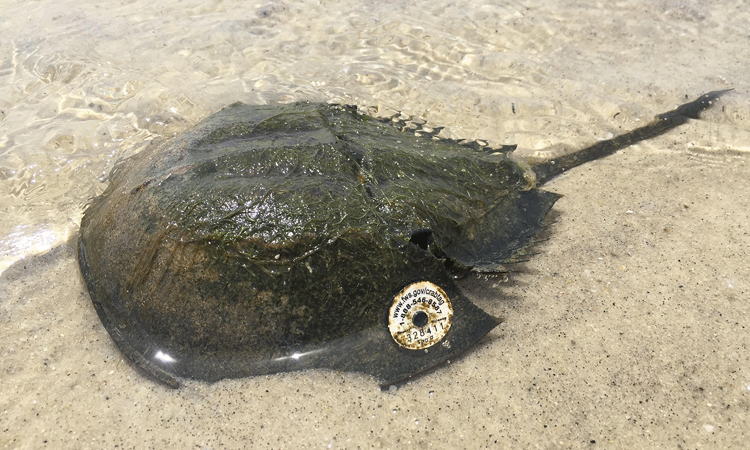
(287, 237)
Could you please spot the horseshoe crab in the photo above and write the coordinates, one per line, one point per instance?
(286, 237)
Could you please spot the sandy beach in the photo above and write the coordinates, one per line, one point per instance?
(630, 327)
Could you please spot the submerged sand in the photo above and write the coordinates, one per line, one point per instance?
(629, 329)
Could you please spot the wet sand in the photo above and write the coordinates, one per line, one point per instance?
(629, 329)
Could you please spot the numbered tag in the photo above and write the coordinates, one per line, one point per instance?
(420, 316)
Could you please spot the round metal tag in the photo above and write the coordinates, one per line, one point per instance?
(420, 316)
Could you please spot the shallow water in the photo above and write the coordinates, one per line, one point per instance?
(629, 328)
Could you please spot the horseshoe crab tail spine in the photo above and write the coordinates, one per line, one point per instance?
(662, 123)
